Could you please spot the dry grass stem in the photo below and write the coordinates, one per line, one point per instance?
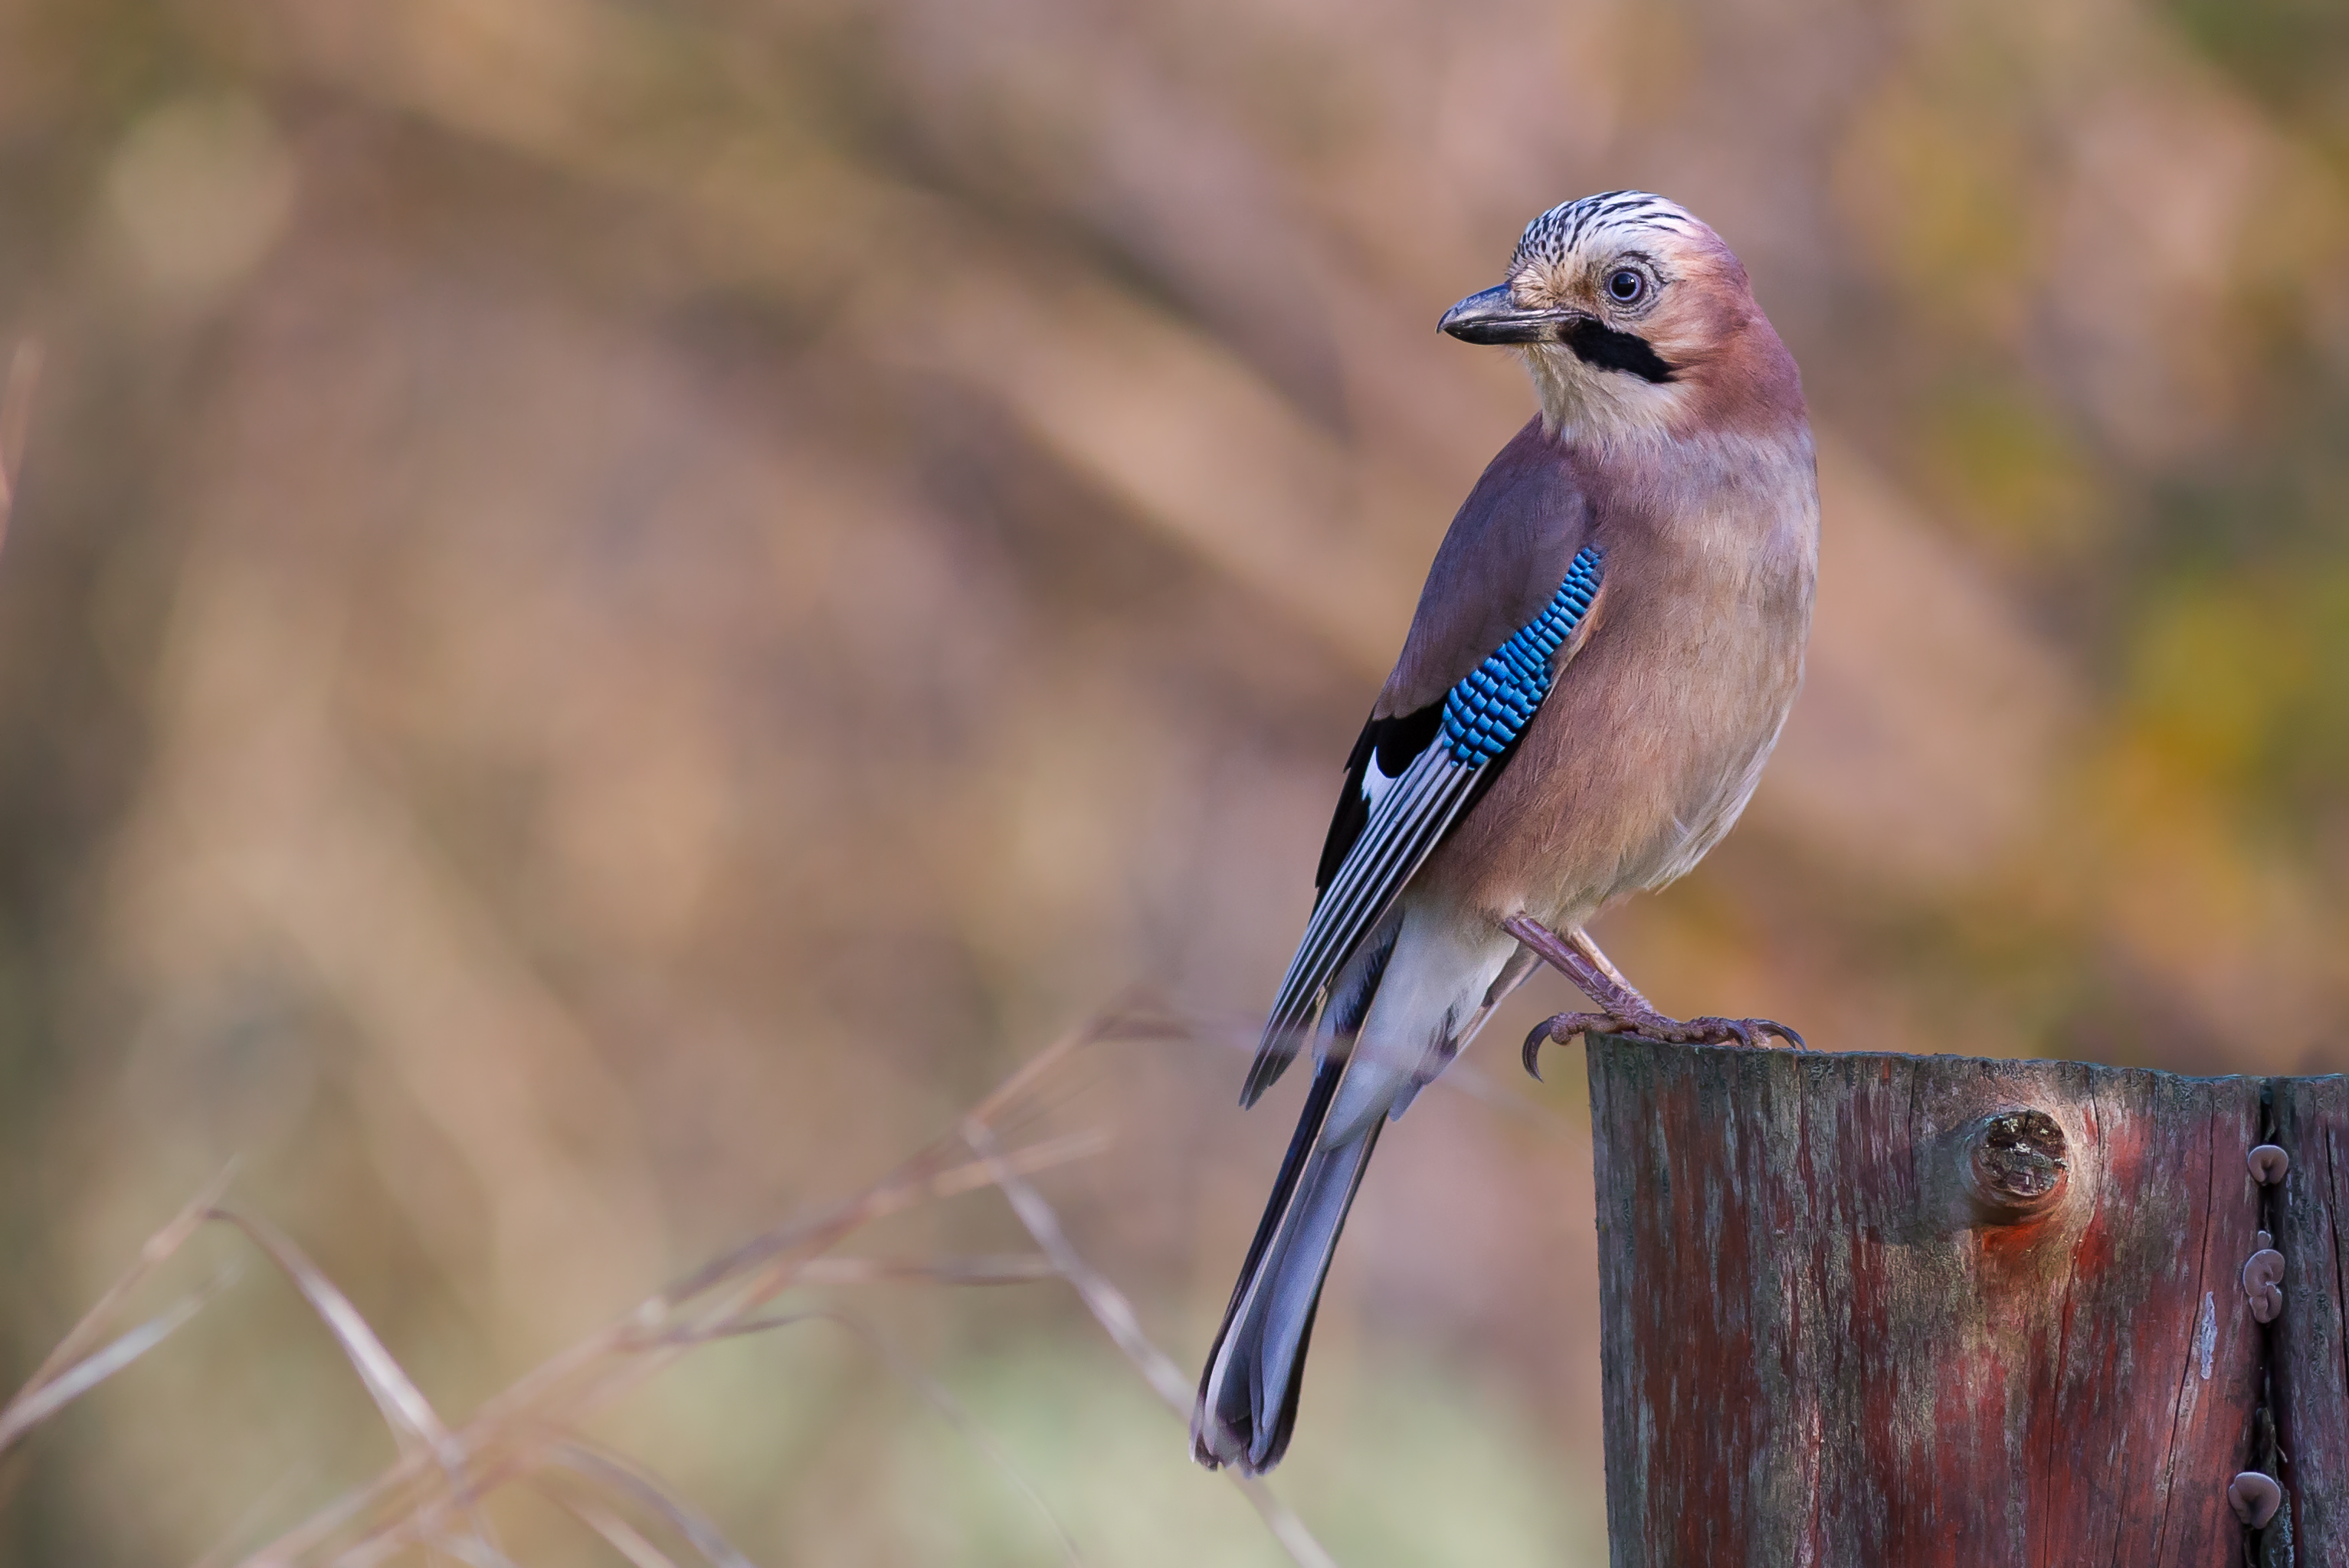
(1008, 1268)
(153, 1254)
(430, 1496)
(36, 1404)
(405, 1409)
(613, 1474)
(512, 1436)
(1105, 1300)
(39, 1398)
(1035, 1157)
(618, 1533)
(1116, 1316)
(416, 1427)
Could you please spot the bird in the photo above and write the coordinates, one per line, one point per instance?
(1608, 642)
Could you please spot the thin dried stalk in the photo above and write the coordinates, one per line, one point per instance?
(1116, 1314)
(430, 1496)
(405, 1408)
(415, 1426)
(1042, 1156)
(38, 1404)
(69, 1370)
(510, 1436)
(611, 1471)
(156, 1252)
(1008, 1268)
(618, 1533)
(1105, 1300)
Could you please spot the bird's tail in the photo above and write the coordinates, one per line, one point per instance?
(1247, 1396)
(1405, 1005)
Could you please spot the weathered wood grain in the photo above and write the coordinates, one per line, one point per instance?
(1837, 1330)
(2311, 1124)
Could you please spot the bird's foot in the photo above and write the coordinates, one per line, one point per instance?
(1653, 1026)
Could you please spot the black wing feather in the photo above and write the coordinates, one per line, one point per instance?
(1394, 742)
(1437, 760)
(1409, 820)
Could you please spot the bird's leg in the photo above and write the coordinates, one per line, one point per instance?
(1576, 958)
(1625, 1011)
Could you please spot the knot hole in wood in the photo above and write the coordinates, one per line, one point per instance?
(2016, 1165)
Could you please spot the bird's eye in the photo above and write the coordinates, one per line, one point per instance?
(1625, 287)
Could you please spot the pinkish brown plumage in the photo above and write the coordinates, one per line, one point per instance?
(1608, 642)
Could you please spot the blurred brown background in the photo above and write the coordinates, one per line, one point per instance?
(619, 605)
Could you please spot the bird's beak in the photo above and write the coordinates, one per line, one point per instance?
(1490, 318)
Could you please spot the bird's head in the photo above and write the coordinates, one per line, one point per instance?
(1632, 316)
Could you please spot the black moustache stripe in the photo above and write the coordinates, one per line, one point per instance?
(1609, 349)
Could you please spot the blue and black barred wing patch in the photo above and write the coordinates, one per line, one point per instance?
(1485, 713)
(1387, 824)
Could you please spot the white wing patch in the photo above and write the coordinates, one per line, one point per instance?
(1376, 783)
(1412, 811)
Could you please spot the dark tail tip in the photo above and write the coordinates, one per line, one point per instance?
(1231, 1430)
(1249, 1394)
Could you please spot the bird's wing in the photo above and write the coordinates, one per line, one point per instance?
(1413, 775)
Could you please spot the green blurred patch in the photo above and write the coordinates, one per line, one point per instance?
(2013, 471)
(2238, 689)
(1423, 1469)
(2212, 669)
(1940, 189)
(2287, 52)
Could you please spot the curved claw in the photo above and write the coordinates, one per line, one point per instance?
(1562, 1027)
(1792, 1036)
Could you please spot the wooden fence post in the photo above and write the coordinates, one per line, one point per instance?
(2309, 1120)
(1878, 1311)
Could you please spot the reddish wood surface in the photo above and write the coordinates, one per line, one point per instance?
(1824, 1344)
(2311, 1123)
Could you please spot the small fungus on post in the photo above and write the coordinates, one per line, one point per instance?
(2254, 1497)
(2263, 1275)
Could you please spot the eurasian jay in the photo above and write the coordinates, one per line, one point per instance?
(1607, 644)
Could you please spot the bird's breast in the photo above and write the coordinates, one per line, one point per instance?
(1653, 739)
